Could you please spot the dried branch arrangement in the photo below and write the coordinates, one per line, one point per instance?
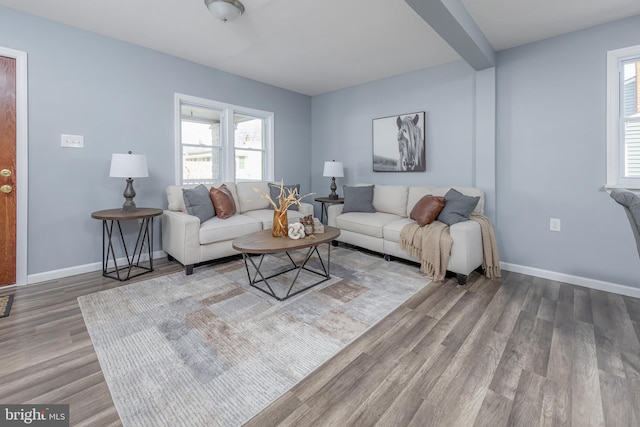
(286, 198)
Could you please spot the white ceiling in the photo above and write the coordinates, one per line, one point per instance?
(313, 46)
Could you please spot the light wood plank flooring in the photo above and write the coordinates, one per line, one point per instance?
(517, 351)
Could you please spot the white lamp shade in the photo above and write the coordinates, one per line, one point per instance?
(225, 10)
(333, 169)
(129, 166)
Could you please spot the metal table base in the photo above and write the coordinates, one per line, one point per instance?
(253, 281)
(144, 236)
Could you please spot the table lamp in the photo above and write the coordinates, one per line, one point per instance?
(129, 166)
(333, 169)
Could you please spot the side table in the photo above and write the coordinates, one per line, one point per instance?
(327, 201)
(145, 235)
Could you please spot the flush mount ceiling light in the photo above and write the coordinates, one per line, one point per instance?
(225, 10)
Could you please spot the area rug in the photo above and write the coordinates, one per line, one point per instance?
(5, 305)
(209, 350)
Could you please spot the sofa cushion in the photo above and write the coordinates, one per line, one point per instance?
(391, 199)
(457, 207)
(467, 191)
(427, 209)
(175, 197)
(265, 217)
(223, 201)
(248, 198)
(369, 224)
(219, 230)
(358, 198)
(198, 202)
(274, 192)
(391, 231)
(176, 200)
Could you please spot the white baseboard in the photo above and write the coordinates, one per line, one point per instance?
(80, 269)
(574, 280)
(516, 268)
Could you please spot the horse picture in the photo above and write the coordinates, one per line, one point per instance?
(410, 144)
(399, 143)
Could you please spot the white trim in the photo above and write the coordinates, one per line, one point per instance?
(227, 112)
(615, 178)
(81, 269)
(574, 280)
(22, 162)
(177, 126)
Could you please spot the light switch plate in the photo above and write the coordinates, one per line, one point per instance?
(72, 141)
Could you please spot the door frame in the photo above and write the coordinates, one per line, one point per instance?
(22, 163)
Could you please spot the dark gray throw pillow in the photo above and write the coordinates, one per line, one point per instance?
(457, 207)
(198, 202)
(358, 198)
(274, 192)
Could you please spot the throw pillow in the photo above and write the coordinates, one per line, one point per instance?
(457, 207)
(222, 201)
(198, 203)
(358, 198)
(427, 209)
(274, 192)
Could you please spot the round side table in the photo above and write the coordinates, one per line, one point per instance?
(145, 235)
(327, 201)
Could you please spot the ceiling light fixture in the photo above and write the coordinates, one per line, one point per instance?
(225, 10)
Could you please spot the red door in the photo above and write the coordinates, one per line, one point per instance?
(7, 171)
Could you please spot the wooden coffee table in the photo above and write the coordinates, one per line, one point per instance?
(263, 243)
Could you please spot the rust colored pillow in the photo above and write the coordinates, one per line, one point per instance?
(427, 209)
(222, 201)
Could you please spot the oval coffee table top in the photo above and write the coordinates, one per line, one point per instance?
(263, 242)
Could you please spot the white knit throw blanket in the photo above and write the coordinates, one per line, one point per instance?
(432, 243)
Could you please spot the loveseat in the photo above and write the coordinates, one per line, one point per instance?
(379, 231)
(187, 240)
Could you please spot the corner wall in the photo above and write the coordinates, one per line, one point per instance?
(549, 150)
(120, 97)
(342, 127)
(551, 130)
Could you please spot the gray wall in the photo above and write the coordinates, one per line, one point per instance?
(551, 130)
(120, 97)
(342, 127)
(550, 139)
(550, 148)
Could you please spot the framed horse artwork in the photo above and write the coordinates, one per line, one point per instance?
(399, 143)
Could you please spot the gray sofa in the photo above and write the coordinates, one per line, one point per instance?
(188, 241)
(380, 231)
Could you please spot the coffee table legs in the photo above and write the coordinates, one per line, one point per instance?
(259, 277)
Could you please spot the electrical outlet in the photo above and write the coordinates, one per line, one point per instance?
(72, 141)
(554, 224)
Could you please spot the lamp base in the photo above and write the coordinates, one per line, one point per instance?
(129, 193)
(334, 187)
(129, 207)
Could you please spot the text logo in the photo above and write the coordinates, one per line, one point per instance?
(34, 415)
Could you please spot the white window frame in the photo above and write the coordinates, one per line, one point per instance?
(227, 135)
(615, 141)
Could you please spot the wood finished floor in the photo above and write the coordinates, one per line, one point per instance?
(517, 351)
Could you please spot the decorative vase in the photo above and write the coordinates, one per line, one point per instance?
(280, 223)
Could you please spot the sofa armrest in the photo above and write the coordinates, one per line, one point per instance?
(466, 251)
(180, 236)
(305, 208)
(332, 212)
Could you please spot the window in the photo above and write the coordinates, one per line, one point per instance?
(623, 118)
(218, 142)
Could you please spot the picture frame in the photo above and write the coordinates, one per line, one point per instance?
(399, 143)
